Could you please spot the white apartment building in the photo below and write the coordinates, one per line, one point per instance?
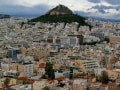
(26, 69)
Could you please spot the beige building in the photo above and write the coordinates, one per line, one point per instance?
(79, 84)
(2, 83)
(87, 65)
(114, 39)
(39, 85)
(10, 82)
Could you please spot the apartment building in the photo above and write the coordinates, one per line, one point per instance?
(87, 65)
(26, 69)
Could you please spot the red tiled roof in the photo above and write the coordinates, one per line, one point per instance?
(117, 71)
(50, 81)
(60, 78)
(8, 86)
(42, 65)
(112, 84)
(26, 79)
(35, 72)
(31, 81)
(22, 78)
(118, 88)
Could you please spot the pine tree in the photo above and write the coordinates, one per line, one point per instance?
(49, 71)
(104, 78)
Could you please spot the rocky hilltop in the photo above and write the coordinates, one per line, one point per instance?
(59, 10)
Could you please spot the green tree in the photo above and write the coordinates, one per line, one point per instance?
(104, 78)
(71, 72)
(46, 88)
(107, 39)
(6, 83)
(49, 71)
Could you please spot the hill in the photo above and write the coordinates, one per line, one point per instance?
(60, 13)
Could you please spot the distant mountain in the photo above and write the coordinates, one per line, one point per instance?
(105, 20)
(60, 13)
(4, 16)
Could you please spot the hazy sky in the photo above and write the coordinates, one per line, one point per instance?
(109, 9)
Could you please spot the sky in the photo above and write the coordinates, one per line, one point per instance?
(108, 9)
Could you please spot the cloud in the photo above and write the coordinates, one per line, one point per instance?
(103, 8)
(109, 9)
(17, 10)
(28, 6)
(106, 2)
(99, 8)
(95, 1)
(82, 13)
(113, 2)
(28, 3)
